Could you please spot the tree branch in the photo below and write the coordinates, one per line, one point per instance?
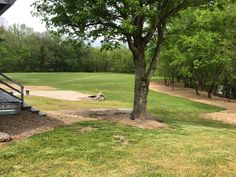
(175, 10)
(153, 27)
(157, 22)
(131, 44)
(156, 54)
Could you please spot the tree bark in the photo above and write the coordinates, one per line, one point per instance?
(141, 88)
(143, 74)
(197, 87)
(233, 92)
(166, 84)
(228, 93)
(172, 81)
(210, 90)
(209, 94)
(140, 99)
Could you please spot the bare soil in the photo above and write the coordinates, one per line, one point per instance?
(27, 124)
(144, 124)
(228, 115)
(116, 115)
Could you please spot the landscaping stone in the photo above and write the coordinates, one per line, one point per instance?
(4, 137)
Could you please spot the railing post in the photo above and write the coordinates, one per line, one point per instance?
(22, 93)
(21, 90)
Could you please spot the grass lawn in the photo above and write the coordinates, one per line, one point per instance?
(192, 146)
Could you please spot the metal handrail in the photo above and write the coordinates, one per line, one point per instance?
(11, 87)
(20, 91)
(8, 78)
(10, 94)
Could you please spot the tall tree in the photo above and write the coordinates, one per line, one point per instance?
(137, 22)
(201, 48)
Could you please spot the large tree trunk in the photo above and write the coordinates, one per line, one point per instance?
(140, 89)
(140, 98)
(142, 74)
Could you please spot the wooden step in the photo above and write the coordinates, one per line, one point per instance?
(33, 110)
(42, 114)
(26, 107)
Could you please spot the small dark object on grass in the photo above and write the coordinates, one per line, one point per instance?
(100, 97)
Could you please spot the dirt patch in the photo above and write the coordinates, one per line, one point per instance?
(222, 116)
(26, 124)
(125, 119)
(120, 116)
(62, 95)
(228, 116)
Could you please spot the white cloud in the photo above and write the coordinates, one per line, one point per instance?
(20, 13)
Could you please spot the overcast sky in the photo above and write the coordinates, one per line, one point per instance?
(20, 13)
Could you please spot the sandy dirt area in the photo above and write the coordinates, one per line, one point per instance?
(51, 92)
(228, 115)
(62, 95)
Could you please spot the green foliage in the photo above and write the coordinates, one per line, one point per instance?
(27, 51)
(117, 60)
(133, 21)
(202, 147)
(201, 46)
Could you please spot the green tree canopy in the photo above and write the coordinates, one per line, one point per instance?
(201, 48)
(137, 22)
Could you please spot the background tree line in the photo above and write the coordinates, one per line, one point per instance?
(24, 50)
(201, 49)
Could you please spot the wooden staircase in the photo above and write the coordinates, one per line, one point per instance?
(12, 97)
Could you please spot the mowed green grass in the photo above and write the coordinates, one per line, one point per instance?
(191, 146)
